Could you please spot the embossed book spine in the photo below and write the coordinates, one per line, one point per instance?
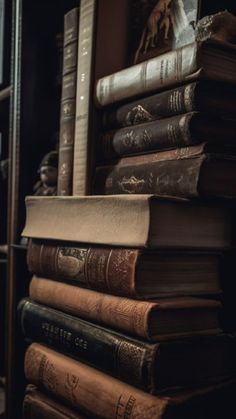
(212, 98)
(128, 359)
(184, 64)
(67, 120)
(88, 389)
(143, 319)
(178, 131)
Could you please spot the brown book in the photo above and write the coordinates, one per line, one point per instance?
(67, 120)
(131, 221)
(126, 272)
(188, 172)
(209, 97)
(37, 405)
(100, 395)
(162, 319)
(178, 131)
(192, 62)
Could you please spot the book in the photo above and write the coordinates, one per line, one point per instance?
(155, 368)
(160, 26)
(81, 162)
(177, 131)
(37, 405)
(131, 221)
(126, 272)
(67, 120)
(99, 394)
(192, 62)
(185, 172)
(209, 97)
(159, 319)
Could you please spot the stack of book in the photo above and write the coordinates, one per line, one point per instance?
(116, 311)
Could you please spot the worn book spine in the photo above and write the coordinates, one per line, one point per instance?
(110, 270)
(177, 176)
(83, 96)
(128, 359)
(67, 119)
(37, 405)
(88, 389)
(147, 109)
(160, 72)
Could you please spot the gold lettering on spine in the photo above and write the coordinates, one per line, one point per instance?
(189, 98)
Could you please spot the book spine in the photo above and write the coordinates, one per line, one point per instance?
(123, 314)
(157, 135)
(83, 95)
(129, 360)
(108, 270)
(82, 387)
(67, 120)
(178, 178)
(158, 106)
(157, 73)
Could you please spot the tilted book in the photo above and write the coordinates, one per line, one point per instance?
(103, 396)
(192, 62)
(153, 320)
(131, 221)
(155, 368)
(126, 272)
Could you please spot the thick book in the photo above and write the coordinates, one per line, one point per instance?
(126, 272)
(67, 120)
(37, 405)
(155, 368)
(192, 62)
(103, 396)
(187, 172)
(131, 221)
(153, 320)
(209, 97)
(177, 131)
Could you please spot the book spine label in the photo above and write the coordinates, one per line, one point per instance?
(130, 361)
(172, 178)
(162, 134)
(108, 270)
(83, 95)
(123, 314)
(161, 105)
(67, 120)
(156, 73)
(82, 386)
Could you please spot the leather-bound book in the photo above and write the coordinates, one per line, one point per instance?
(192, 62)
(209, 97)
(126, 272)
(155, 368)
(187, 172)
(100, 395)
(67, 121)
(37, 405)
(178, 131)
(153, 320)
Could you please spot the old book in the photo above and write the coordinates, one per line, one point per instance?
(103, 396)
(160, 26)
(187, 172)
(192, 62)
(209, 97)
(131, 221)
(37, 405)
(166, 318)
(83, 96)
(126, 272)
(155, 368)
(177, 131)
(67, 121)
